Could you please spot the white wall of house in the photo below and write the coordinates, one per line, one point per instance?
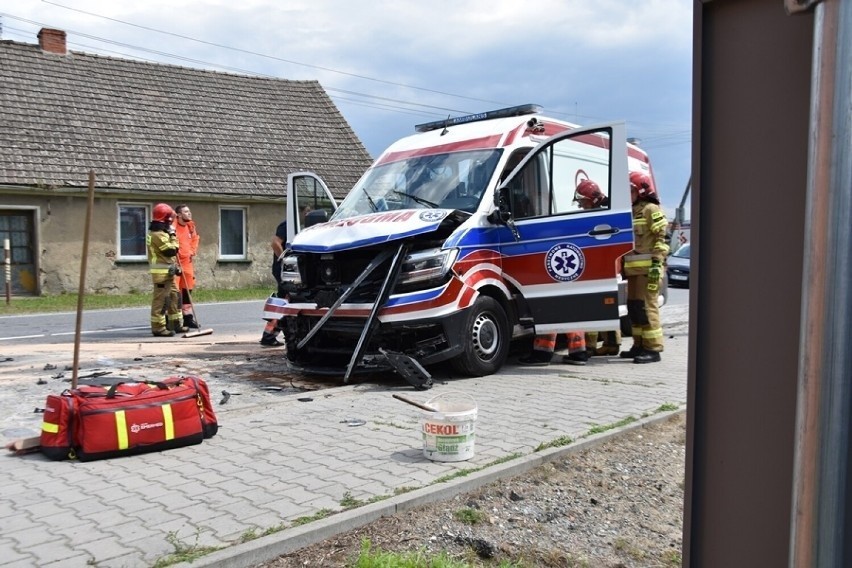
(59, 226)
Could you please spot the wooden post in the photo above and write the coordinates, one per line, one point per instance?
(8, 262)
(83, 264)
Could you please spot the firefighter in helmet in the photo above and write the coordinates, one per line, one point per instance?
(166, 317)
(589, 196)
(643, 268)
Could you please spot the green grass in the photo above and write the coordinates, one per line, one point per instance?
(350, 502)
(469, 516)
(370, 557)
(601, 428)
(321, 514)
(252, 534)
(557, 443)
(68, 302)
(183, 552)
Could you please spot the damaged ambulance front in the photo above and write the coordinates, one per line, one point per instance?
(374, 287)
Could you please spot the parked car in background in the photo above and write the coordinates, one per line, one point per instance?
(677, 267)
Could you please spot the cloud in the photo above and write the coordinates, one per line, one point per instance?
(392, 64)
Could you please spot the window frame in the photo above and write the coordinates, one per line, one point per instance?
(119, 255)
(233, 257)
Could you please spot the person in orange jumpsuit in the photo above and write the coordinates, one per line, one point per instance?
(188, 239)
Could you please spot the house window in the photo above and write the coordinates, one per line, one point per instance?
(132, 228)
(232, 233)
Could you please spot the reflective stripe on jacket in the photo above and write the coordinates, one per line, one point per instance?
(649, 230)
(159, 244)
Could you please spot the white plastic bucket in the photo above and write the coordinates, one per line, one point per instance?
(449, 432)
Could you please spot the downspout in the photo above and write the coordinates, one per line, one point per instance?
(821, 511)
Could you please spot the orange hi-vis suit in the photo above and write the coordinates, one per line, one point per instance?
(189, 240)
(546, 342)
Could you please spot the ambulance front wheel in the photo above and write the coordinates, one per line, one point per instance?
(486, 336)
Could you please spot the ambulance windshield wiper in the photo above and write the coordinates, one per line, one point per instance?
(370, 199)
(419, 200)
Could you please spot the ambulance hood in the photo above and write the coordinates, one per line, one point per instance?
(376, 228)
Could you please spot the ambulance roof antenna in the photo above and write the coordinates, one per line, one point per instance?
(446, 124)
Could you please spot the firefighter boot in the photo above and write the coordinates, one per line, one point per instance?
(189, 322)
(536, 359)
(578, 358)
(632, 353)
(647, 357)
(178, 327)
(162, 332)
(607, 350)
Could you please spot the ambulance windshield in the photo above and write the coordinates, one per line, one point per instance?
(446, 181)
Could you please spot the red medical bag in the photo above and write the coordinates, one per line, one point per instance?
(94, 422)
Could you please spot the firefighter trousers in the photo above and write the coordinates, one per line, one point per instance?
(644, 314)
(165, 306)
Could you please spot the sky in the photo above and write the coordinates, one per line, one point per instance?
(389, 65)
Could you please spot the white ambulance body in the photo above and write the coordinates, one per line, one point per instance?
(458, 239)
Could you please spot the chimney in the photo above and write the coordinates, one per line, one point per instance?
(52, 41)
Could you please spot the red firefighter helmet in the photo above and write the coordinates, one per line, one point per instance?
(587, 189)
(163, 213)
(641, 182)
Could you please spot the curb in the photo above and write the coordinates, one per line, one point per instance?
(270, 547)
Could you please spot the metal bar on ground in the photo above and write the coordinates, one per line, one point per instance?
(384, 292)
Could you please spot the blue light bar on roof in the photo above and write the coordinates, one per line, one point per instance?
(500, 113)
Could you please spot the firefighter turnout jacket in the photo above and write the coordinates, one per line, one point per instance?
(162, 250)
(649, 233)
(162, 253)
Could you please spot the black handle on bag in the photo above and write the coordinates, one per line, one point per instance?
(112, 389)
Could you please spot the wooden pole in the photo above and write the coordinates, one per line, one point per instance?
(415, 403)
(83, 265)
(8, 263)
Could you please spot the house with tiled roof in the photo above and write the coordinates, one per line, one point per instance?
(222, 143)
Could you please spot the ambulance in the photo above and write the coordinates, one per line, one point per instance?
(456, 241)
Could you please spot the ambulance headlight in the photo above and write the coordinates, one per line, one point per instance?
(429, 266)
(290, 274)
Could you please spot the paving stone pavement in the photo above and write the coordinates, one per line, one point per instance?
(277, 459)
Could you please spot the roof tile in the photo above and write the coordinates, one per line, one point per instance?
(154, 127)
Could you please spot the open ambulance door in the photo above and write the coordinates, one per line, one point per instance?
(563, 260)
(308, 202)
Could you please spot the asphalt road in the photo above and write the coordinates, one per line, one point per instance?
(129, 324)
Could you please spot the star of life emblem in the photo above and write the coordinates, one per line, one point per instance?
(565, 262)
(432, 216)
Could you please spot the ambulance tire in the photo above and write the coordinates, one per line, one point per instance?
(486, 335)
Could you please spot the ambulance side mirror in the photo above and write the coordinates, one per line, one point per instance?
(502, 214)
(316, 217)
